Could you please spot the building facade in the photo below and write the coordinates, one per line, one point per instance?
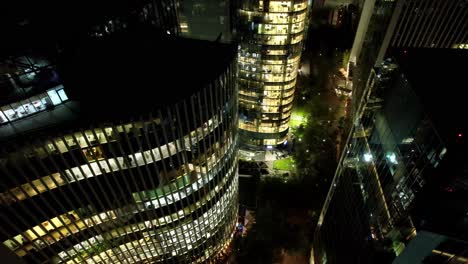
(377, 178)
(205, 19)
(271, 35)
(89, 181)
(399, 191)
(159, 14)
(398, 148)
(404, 146)
(410, 24)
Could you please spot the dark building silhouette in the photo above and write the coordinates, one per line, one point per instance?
(206, 19)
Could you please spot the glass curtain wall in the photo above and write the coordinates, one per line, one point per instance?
(271, 39)
(160, 189)
(390, 149)
(32, 105)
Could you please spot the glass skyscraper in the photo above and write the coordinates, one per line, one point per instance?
(404, 149)
(399, 191)
(271, 35)
(403, 159)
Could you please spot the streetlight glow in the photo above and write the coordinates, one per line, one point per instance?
(367, 157)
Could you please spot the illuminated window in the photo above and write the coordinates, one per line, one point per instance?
(54, 97)
(3, 118)
(93, 153)
(62, 95)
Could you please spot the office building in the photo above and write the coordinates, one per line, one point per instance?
(271, 35)
(400, 192)
(118, 162)
(406, 137)
(160, 14)
(402, 24)
(206, 19)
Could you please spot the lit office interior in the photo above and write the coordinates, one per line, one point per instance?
(136, 191)
(30, 85)
(268, 58)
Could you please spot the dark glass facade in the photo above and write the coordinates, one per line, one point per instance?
(402, 24)
(160, 14)
(431, 24)
(395, 157)
(399, 191)
(206, 19)
(389, 147)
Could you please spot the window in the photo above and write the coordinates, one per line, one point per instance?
(27, 107)
(93, 153)
(54, 97)
(37, 103)
(45, 100)
(11, 112)
(62, 95)
(3, 118)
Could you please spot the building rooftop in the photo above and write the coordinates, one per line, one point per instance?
(138, 70)
(127, 75)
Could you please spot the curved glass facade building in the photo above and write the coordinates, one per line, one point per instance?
(271, 40)
(142, 175)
